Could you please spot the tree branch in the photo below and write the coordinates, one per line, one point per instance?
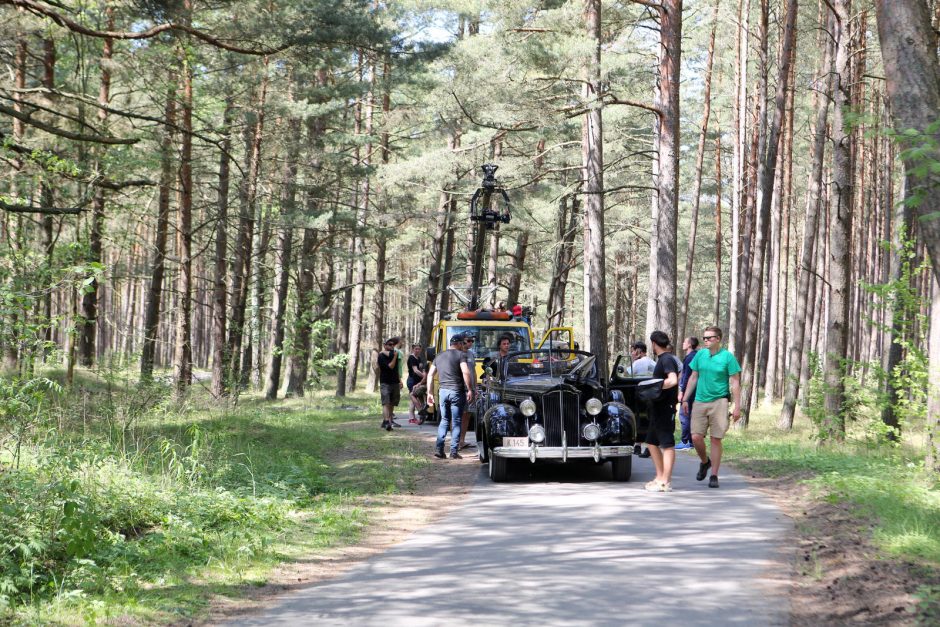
(43, 210)
(44, 11)
(611, 99)
(491, 126)
(97, 139)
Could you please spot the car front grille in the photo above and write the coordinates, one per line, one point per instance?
(560, 415)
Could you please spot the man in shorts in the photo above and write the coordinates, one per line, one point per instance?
(715, 377)
(390, 384)
(661, 439)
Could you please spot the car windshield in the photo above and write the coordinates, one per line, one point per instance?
(548, 363)
(487, 338)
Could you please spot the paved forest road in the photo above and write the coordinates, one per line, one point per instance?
(571, 548)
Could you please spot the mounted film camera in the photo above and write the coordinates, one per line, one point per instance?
(480, 203)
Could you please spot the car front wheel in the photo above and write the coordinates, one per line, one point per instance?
(622, 468)
(499, 468)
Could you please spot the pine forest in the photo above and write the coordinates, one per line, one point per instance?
(216, 206)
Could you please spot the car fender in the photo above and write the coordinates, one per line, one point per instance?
(502, 420)
(620, 426)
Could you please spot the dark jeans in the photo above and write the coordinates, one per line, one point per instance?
(685, 419)
(451, 404)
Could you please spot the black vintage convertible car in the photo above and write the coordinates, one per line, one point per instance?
(548, 405)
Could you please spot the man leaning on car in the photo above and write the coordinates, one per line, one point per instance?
(455, 392)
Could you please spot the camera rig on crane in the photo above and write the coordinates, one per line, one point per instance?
(484, 217)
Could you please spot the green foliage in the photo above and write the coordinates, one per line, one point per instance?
(885, 483)
(118, 509)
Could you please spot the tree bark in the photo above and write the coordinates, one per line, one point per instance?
(219, 294)
(89, 327)
(662, 296)
(912, 76)
(155, 290)
(697, 191)
(840, 232)
(184, 285)
(801, 323)
(518, 267)
(592, 150)
(767, 169)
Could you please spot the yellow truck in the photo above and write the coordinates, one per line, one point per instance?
(487, 328)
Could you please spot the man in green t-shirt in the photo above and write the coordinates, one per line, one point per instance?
(715, 379)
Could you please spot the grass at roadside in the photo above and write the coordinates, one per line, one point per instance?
(884, 484)
(144, 518)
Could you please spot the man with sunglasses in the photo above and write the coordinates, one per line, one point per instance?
(715, 376)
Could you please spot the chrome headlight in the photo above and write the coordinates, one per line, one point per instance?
(594, 406)
(591, 431)
(527, 407)
(537, 433)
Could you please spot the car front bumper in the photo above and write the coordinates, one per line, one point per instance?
(534, 453)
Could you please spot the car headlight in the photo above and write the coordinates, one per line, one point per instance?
(591, 431)
(537, 433)
(594, 406)
(527, 407)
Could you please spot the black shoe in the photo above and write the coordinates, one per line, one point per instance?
(644, 454)
(703, 470)
(439, 454)
(384, 424)
(395, 424)
(713, 481)
(456, 455)
(388, 427)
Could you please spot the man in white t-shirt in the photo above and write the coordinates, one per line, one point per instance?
(642, 365)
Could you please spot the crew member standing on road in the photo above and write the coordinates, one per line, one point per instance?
(455, 392)
(715, 374)
(415, 376)
(690, 347)
(389, 382)
(660, 439)
(470, 357)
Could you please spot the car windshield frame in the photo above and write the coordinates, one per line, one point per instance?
(487, 337)
(551, 363)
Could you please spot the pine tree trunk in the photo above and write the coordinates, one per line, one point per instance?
(592, 153)
(840, 232)
(697, 191)
(739, 157)
(716, 307)
(801, 323)
(89, 326)
(342, 328)
(766, 175)
(184, 286)
(220, 358)
(933, 393)
(662, 296)
(242, 262)
(518, 267)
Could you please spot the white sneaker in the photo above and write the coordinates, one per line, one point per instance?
(654, 486)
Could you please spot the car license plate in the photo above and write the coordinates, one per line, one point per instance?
(516, 442)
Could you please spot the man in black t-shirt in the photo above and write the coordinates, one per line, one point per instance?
(389, 382)
(660, 439)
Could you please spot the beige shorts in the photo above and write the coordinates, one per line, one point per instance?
(711, 417)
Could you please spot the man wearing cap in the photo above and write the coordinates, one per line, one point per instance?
(470, 357)
(456, 392)
(389, 381)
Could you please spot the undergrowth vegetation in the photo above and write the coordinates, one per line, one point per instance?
(884, 483)
(115, 503)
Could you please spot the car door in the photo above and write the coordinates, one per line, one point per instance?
(559, 338)
(625, 383)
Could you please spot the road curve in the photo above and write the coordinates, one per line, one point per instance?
(555, 547)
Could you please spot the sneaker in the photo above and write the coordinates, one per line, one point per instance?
(653, 486)
(703, 469)
(644, 454)
(395, 424)
(456, 455)
(713, 481)
(384, 424)
(412, 421)
(683, 446)
(667, 487)
(439, 454)
(388, 427)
